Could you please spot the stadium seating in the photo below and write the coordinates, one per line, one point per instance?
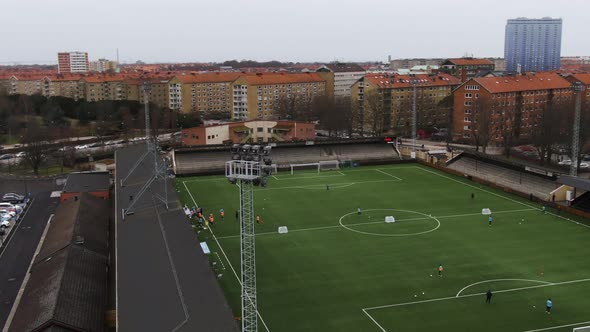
(520, 181)
(207, 162)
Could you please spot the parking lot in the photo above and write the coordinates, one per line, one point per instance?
(18, 249)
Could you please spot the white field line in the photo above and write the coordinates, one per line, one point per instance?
(393, 176)
(311, 177)
(374, 321)
(494, 280)
(226, 258)
(498, 195)
(340, 173)
(331, 184)
(557, 327)
(376, 222)
(478, 294)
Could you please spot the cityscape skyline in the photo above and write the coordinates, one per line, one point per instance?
(306, 31)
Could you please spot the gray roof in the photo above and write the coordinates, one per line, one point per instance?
(87, 182)
(344, 67)
(575, 182)
(158, 250)
(66, 290)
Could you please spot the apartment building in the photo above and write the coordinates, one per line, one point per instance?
(584, 79)
(161, 92)
(26, 84)
(249, 132)
(397, 64)
(256, 96)
(493, 105)
(393, 94)
(100, 88)
(532, 44)
(72, 62)
(466, 68)
(341, 77)
(206, 93)
(103, 65)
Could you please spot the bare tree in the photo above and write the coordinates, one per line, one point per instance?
(36, 146)
(481, 123)
(374, 112)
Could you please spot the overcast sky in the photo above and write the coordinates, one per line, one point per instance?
(285, 30)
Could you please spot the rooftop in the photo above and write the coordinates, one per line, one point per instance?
(281, 78)
(87, 182)
(343, 67)
(526, 82)
(157, 250)
(67, 284)
(468, 62)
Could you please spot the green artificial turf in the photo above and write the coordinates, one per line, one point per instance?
(338, 271)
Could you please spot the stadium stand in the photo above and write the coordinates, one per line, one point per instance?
(582, 202)
(522, 181)
(201, 162)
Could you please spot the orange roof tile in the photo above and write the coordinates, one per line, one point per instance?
(469, 61)
(405, 81)
(582, 77)
(282, 78)
(528, 82)
(208, 77)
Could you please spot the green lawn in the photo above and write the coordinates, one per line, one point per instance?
(338, 271)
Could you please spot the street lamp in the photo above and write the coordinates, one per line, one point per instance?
(250, 166)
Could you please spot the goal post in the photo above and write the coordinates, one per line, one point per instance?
(582, 329)
(305, 166)
(327, 165)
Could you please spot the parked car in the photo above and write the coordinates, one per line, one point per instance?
(5, 205)
(585, 165)
(565, 162)
(13, 198)
(5, 224)
(7, 156)
(21, 154)
(8, 212)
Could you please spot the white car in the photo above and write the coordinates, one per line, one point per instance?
(585, 165)
(8, 212)
(565, 162)
(5, 223)
(11, 207)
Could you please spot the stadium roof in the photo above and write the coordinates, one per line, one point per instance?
(575, 182)
(164, 280)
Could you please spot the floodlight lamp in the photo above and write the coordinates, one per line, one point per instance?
(235, 148)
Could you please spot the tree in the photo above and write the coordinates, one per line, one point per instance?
(548, 129)
(374, 112)
(188, 120)
(36, 149)
(481, 123)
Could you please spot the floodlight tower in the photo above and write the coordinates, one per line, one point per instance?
(414, 119)
(250, 166)
(578, 88)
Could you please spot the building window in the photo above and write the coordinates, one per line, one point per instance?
(468, 95)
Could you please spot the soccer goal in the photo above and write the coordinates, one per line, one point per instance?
(582, 329)
(314, 166)
(328, 165)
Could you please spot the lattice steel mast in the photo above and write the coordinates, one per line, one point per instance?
(249, 167)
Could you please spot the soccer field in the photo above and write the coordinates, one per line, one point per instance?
(336, 270)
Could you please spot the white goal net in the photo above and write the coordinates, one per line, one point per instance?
(314, 166)
(327, 165)
(582, 329)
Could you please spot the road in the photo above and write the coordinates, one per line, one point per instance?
(18, 252)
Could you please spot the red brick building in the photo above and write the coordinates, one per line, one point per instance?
(466, 68)
(249, 131)
(505, 102)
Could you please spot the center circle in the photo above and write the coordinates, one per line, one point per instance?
(371, 212)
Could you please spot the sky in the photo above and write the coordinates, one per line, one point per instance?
(285, 30)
